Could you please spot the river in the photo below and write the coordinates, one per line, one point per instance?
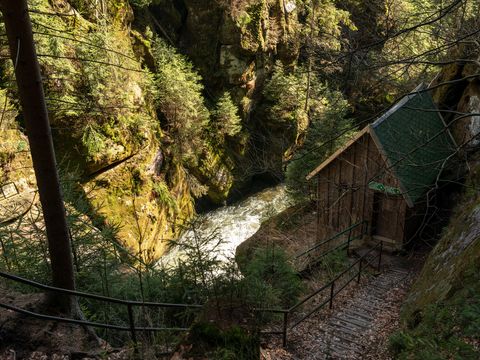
(231, 225)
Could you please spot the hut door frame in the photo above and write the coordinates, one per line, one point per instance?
(387, 230)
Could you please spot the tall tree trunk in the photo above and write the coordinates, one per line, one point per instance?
(34, 109)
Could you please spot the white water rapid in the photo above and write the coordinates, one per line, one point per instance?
(234, 223)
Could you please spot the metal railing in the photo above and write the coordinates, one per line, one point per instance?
(130, 304)
(362, 225)
(333, 292)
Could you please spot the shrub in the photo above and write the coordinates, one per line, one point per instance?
(163, 196)
(445, 330)
(234, 343)
(285, 95)
(271, 281)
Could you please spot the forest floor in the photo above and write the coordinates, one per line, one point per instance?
(23, 337)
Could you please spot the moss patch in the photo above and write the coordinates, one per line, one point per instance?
(448, 329)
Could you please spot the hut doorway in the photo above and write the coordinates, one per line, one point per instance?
(385, 217)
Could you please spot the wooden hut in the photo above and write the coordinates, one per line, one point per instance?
(385, 173)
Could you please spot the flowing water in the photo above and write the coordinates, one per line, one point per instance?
(232, 224)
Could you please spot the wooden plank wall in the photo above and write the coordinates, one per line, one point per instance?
(343, 195)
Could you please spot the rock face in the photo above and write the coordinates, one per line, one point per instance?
(234, 46)
(468, 128)
(457, 253)
(463, 96)
(109, 133)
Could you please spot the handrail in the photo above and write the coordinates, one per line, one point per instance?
(337, 235)
(129, 303)
(93, 296)
(333, 293)
(84, 322)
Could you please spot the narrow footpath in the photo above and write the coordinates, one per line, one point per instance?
(359, 325)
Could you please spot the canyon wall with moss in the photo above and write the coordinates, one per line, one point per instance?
(141, 155)
(441, 316)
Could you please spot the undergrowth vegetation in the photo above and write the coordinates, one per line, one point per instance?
(446, 330)
(199, 276)
(234, 343)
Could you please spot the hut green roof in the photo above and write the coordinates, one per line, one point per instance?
(416, 142)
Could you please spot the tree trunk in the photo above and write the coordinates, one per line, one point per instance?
(34, 109)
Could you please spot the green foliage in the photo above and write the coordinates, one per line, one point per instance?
(301, 104)
(235, 343)
(334, 262)
(410, 57)
(248, 18)
(141, 3)
(225, 119)
(269, 273)
(93, 140)
(163, 196)
(179, 98)
(325, 21)
(117, 95)
(23, 250)
(329, 129)
(11, 140)
(94, 86)
(444, 330)
(285, 96)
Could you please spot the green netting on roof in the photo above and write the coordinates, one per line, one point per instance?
(416, 142)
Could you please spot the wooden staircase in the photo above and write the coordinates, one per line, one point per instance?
(346, 331)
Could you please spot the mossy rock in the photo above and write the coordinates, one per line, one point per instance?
(457, 251)
(215, 172)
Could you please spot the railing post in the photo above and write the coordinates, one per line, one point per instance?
(332, 287)
(132, 328)
(359, 270)
(380, 256)
(348, 242)
(285, 326)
